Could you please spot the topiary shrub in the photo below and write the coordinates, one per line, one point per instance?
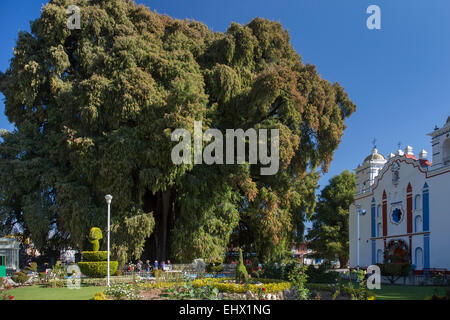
(241, 271)
(97, 269)
(95, 234)
(394, 271)
(95, 255)
(95, 263)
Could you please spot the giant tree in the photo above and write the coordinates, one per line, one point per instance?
(94, 109)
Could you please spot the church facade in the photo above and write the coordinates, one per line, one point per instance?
(404, 207)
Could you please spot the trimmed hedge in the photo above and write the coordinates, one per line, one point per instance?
(95, 255)
(270, 287)
(98, 268)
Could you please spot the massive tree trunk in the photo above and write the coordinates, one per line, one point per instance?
(162, 204)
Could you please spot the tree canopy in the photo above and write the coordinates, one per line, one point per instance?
(94, 109)
(329, 235)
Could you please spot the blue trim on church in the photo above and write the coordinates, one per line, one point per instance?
(426, 226)
(373, 228)
(426, 208)
(426, 251)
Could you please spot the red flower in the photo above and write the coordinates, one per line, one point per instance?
(252, 270)
(11, 297)
(264, 289)
(131, 282)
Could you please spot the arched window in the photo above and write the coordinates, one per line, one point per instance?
(418, 224)
(418, 261)
(379, 211)
(417, 205)
(380, 256)
(379, 230)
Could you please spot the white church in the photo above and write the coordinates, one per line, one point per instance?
(404, 207)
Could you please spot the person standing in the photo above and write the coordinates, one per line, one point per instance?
(155, 265)
(163, 264)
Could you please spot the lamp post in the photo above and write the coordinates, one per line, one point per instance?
(108, 199)
(359, 213)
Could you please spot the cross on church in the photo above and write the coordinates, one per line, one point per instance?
(374, 142)
(399, 146)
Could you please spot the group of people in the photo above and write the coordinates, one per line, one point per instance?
(147, 266)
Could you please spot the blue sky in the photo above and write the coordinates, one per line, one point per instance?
(399, 76)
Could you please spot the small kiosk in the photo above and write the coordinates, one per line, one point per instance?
(9, 255)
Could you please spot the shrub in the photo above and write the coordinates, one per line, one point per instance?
(241, 271)
(214, 267)
(99, 296)
(322, 274)
(97, 269)
(56, 283)
(95, 234)
(32, 267)
(393, 271)
(158, 273)
(298, 278)
(122, 291)
(118, 273)
(95, 255)
(20, 277)
(230, 287)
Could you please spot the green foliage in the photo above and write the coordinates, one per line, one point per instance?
(157, 273)
(329, 234)
(32, 267)
(94, 255)
(97, 269)
(94, 110)
(214, 267)
(322, 274)
(241, 271)
(394, 271)
(95, 234)
(188, 291)
(20, 277)
(298, 278)
(99, 296)
(122, 291)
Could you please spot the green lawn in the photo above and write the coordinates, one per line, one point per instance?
(398, 292)
(42, 293)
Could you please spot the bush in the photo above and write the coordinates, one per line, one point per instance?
(214, 267)
(241, 271)
(393, 271)
(322, 274)
(118, 273)
(56, 283)
(270, 286)
(95, 255)
(97, 269)
(122, 291)
(20, 277)
(298, 278)
(99, 296)
(158, 273)
(32, 267)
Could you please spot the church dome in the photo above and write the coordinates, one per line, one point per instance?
(374, 156)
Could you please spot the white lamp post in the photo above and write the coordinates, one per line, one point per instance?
(359, 213)
(108, 199)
